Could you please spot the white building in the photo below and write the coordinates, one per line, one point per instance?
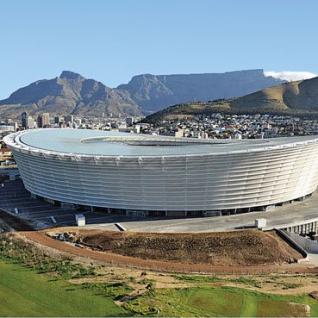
(165, 175)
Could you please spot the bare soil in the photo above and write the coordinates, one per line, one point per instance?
(248, 247)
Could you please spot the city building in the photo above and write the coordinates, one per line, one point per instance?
(57, 119)
(46, 119)
(164, 176)
(69, 119)
(43, 121)
(30, 123)
(24, 120)
(39, 121)
(129, 121)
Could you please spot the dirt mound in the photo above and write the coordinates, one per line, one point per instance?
(249, 247)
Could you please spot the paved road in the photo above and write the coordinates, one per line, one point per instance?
(280, 217)
(38, 212)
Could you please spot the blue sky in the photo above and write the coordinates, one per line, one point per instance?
(112, 40)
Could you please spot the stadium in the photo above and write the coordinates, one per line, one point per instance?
(133, 174)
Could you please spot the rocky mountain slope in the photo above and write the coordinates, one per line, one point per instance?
(155, 92)
(70, 93)
(300, 97)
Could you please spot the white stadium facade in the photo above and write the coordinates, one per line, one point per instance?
(132, 174)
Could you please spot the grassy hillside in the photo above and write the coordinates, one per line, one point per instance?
(25, 293)
(182, 111)
(286, 97)
(299, 98)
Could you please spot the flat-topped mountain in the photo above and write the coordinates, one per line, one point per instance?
(155, 92)
(300, 97)
(70, 93)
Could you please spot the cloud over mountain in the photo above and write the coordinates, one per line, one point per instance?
(290, 75)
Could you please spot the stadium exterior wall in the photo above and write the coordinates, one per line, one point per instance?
(211, 182)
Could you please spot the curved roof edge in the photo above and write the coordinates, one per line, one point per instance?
(14, 142)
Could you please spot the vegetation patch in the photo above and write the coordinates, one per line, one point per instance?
(220, 301)
(115, 290)
(20, 252)
(214, 279)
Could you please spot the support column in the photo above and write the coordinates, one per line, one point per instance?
(33, 196)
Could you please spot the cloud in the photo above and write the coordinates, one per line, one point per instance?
(290, 75)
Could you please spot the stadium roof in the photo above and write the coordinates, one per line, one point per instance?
(102, 143)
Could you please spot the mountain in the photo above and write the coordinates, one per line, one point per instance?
(293, 97)
(155, 92)
(299, 98)
(70, 93)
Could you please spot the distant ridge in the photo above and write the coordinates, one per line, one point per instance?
(298, 98)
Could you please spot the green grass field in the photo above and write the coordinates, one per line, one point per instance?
(221, 301)
(26, 293)
(23, 292)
